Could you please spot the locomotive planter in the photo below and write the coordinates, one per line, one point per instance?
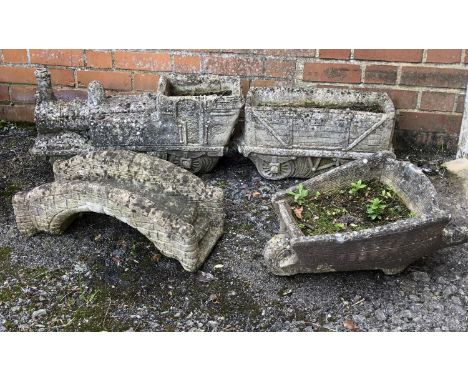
(390, 247)
(189, 122)
(298, 131)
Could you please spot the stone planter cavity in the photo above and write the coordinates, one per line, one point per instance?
(173, 208)
(189, 122)
(298, 131)
(390, 248)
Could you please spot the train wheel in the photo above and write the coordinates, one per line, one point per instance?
(203, 164)
(274, 171)
(196, 165)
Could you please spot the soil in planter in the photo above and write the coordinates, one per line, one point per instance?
(357, 106)
(345, 211)
(175, 91)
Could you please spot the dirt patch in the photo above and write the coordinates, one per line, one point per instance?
(361, 205)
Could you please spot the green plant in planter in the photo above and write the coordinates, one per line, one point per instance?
(300, 195)
(356, 187)
(375, 209)
(387, 194)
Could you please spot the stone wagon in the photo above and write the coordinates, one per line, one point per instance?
(189, 122)
(298, 131)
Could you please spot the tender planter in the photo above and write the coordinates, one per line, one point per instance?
(391, 247)
(189, 122)
(298, 131)
(202, 112)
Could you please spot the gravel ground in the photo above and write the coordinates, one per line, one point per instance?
(103, 275)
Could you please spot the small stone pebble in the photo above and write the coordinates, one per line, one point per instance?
(420, 276)
(380, 315)
(39, 313)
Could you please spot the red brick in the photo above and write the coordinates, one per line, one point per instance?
(99, 59)
(380, 74)
(445, 56)
(4, 95)
(68, 94)
(245, 86)
(402, 55)
(23, 113)
(442, 123)
(434, 77)
(460, 104)
(143, 61)
(16, 74)
(280, 68)
(145, 81)
(403, 99)
(62, 77)
(110, 80)
(466, 56)
(18, 56)
(187, 64)
(59, 57)
(435, 101)
(241, 66)
(284, 52)
(337, 54)
(22, 94)
(322, 72)
(262, 83)
(425, 139)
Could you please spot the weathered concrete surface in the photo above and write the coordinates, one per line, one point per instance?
(104, 275)
(298, 131)
(463, 138)
(170, 206)
(459, 168)
(189, 122)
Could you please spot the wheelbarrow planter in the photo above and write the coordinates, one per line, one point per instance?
(390, 248)
(298, 131)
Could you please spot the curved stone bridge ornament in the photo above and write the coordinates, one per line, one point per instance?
(173, 208)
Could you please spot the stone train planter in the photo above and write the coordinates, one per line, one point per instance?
(173, 208)
(390, 248)
(298, 131)
(201, 111)
(189, 122)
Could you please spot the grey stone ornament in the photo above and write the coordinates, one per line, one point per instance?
(189, 122)
(390, 247)
(295, 132)
(173, 208)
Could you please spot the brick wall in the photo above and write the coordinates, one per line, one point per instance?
(426, 85)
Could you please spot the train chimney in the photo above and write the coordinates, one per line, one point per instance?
(95, 93)
(44, 85)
